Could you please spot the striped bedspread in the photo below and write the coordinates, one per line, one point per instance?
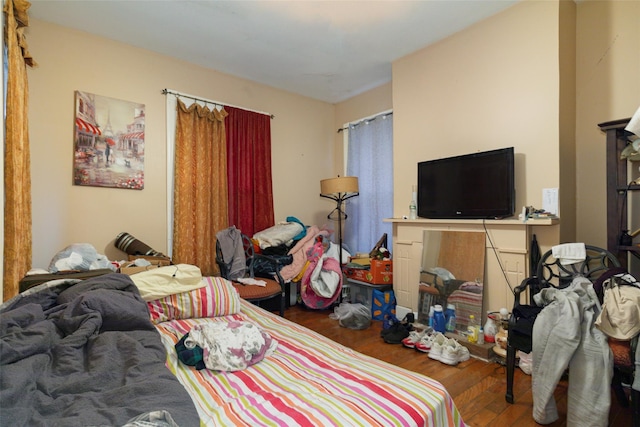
(308, 381)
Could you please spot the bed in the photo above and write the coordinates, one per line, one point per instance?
(308, 380)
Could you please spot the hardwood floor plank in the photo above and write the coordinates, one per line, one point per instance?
(477, 387)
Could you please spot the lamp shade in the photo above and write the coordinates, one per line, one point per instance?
(341, 184)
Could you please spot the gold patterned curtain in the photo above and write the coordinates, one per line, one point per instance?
(17, 167)
(200, 185)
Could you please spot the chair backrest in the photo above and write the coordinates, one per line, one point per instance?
(224, 267)
(249, 253)
(552, 272)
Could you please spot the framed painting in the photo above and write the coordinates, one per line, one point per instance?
(108, 142)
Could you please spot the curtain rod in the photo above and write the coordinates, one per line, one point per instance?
(208, 101)
(367, 120)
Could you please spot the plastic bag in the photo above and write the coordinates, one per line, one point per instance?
(352, 316)
(79, 257)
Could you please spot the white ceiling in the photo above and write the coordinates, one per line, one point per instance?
(326, 50)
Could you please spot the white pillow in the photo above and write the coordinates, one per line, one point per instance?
(163, 281)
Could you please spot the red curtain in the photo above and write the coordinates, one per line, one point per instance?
(249, 170)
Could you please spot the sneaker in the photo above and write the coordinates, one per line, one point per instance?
(437, 345)
(453, 353)
(396, 333)
(413, 338)
(426, 342)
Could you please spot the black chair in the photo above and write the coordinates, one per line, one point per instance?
(263, 267)
(549, 272)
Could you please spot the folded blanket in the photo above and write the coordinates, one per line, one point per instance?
(283, 232)
(569, 253)
(169, 280)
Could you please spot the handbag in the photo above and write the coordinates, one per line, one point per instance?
(620, 314)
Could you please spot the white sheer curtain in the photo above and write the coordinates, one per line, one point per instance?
(370, 158)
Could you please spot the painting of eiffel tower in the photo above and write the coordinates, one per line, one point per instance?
(109, 142)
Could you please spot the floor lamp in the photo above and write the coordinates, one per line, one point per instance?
(339, 189)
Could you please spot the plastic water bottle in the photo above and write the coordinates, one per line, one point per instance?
(413, 210)
(431, 313)
(472, 329)
(481, 336)
(438, 319)
(450, 318)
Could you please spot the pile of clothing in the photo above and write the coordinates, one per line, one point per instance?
(315, 265)
(311, 258)
(225, 346)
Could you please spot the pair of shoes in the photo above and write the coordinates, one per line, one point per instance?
(427, 340)
(396, 333)
(413, 338)
(436, 345)
(453, 353)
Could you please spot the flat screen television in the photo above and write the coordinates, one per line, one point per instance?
(472, 186)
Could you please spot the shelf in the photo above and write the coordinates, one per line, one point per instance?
(617, 188)
(633, 250)
(383, 287)
(506, 221)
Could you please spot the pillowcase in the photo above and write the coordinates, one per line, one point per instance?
(164, 281)
(217, 297)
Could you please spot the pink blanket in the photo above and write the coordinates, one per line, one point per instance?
(299, 253)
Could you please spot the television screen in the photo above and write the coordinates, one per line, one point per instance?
(474, 186)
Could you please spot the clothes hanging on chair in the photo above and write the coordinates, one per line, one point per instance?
(230, 240)
(564, 336)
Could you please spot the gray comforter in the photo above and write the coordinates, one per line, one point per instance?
(84, 354)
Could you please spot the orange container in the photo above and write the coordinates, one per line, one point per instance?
(379, 273)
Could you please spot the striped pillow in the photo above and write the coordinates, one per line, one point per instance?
(217, 298)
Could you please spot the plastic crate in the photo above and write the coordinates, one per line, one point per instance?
(362, 293)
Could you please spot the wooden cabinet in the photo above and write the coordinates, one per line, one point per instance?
(506, 255)
(618, 189)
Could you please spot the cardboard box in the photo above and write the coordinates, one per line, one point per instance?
(360, 260)
(31, 280)
(130, 268)
(378, 273)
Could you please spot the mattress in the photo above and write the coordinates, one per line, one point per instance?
(308, 381)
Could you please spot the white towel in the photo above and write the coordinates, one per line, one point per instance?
(250, 281)
(569, 253)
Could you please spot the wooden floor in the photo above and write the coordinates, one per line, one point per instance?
(477, 387)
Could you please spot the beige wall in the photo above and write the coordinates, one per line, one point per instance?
(302, 139)
(540, 76)
(608, 88)
(368, 104)
(567, 118)
(492, 85)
